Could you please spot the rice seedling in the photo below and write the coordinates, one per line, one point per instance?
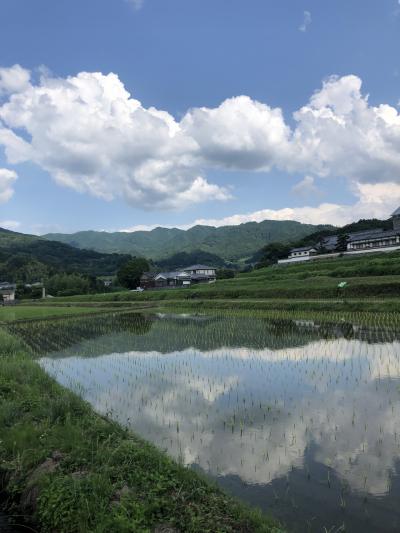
(254, 397)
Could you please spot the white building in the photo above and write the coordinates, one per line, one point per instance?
(305, 251)
(7, 292)
(200, 270)
(296, 255)
(358, 242)
(375, 239)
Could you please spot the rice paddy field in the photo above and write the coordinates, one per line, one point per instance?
(297, 415)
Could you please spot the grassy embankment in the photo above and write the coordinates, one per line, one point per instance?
(26, 312)
(373, 285)
(69, 470)
(48, 310)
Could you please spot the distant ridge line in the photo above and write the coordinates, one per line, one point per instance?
(232, 242)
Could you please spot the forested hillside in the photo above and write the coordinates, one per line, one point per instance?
(182, 259)
(231, 243)
(27, 258)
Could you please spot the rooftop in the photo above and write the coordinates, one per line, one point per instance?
(5, 285)
(396, 213)
(198, 267)
(330, 241)
(362, 236)
(302, 249)
(174, 274)
(149, 275)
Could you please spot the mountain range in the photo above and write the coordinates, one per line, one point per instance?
(231, 243)
(31, 258)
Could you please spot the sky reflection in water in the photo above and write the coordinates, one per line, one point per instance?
(296, 418)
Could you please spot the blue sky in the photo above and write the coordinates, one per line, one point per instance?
(247, 160)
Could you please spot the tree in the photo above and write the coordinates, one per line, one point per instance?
(129, 274)
(63, 284)
(184, 259)
(225, 273)
(271, 253)
(341, 245)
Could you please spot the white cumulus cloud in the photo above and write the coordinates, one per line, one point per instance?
(91, 135)
(374, 201)
(7, 178)
(377, 200)
(339, 134)
(306, 187)
(239, 134)
(13, 80)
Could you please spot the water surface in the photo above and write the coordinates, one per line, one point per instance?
(299, 418)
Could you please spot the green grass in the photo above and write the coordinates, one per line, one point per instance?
(370, 305)
(26, 312)
(373, 279)
(71, 470)
(366, 305)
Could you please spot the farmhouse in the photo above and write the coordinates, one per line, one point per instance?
(147, 280)
(329, 244)
(201, 273)
(172, 279)
(200, 270)
(368, 241)
(7, 292)
(356, 243)
(180, 278)
(300, 253)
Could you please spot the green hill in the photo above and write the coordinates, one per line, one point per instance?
(231, 243)
(30, 258)
(370, 276)
(270, 253)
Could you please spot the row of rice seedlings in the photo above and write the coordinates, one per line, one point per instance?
(168, 334)
(250, 396)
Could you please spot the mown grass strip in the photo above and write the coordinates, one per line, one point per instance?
(22, 312)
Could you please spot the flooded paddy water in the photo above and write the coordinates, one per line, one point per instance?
(297, 417)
